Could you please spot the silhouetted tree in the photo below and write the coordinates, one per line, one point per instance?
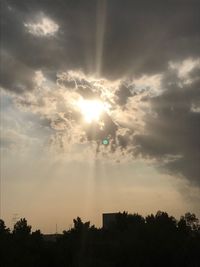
(79, 226)
(192, 221)
(37, 236)
(21, 228)
(3, 229)
(130, 240)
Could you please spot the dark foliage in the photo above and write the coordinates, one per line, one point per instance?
(130, 240)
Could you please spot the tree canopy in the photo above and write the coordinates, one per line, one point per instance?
(129, 240)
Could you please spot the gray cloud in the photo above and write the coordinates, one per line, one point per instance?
(172, 129)
(15, 76)
(123, 93)
(140, 38)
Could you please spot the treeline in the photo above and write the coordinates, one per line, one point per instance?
(130, 240)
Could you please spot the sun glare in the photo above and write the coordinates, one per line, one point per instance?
(91, 109)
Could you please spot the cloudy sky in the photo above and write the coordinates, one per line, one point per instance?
(76, 72)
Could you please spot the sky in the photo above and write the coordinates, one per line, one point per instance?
(74, 73)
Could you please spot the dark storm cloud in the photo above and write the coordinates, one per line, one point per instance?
(173, 128)
(15, 76)
(123, 93)
(140, 36)
(143, 36)
(65, 50)
(125, 140)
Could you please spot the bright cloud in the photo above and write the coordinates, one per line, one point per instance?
(81, 110)
(77, 98)
(43, 27)
(184, 68)
(39, 77)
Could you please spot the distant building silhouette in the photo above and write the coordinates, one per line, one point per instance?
(108, 218)
(50, 237)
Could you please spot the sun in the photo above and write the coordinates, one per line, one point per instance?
(91, 109)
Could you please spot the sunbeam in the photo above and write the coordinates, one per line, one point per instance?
(100, 26)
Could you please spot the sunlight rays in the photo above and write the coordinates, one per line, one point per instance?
(100, 31)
